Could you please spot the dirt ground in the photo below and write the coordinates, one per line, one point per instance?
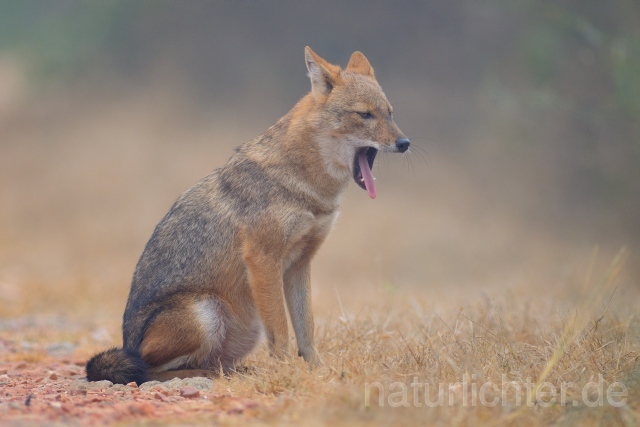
(54, 391)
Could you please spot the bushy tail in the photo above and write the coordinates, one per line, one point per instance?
(118, 365)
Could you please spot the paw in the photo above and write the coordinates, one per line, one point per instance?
(311, 356)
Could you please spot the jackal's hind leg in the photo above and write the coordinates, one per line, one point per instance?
(186, 339)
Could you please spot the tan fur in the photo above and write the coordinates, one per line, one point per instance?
(236, 248)
(175, 326)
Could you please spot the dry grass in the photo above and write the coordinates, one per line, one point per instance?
(430, 289)
(400, 340)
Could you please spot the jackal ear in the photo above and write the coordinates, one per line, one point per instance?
(359, 64)
(324, 76)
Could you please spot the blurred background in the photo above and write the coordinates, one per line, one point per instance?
(524, 171)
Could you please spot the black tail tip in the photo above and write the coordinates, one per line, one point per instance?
(118, 365)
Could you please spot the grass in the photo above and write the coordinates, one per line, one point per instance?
(400, 346)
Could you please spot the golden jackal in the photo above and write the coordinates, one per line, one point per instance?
(236, 247)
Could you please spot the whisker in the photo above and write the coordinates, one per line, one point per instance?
(418, 147)
(407, 161)
(420, 152)
(422, 157)
(411, 164)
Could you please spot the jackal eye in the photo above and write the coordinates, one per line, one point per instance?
(365, 115)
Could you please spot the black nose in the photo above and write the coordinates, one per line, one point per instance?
(403, 144)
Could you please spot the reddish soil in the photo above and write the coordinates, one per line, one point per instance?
(55, 391)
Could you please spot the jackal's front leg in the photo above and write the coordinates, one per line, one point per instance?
(265, 279)
(297, 291)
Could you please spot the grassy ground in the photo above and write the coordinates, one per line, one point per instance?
(426, 288)
(513, 358)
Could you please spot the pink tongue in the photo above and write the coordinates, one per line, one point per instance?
(366, 174)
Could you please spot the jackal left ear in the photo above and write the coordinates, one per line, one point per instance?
(359, 64)
(324, 76)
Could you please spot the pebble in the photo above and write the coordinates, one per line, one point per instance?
(160, 397)
(189, 392)
(149, 385)
(53, 376)
(93, 385)
(200, 383)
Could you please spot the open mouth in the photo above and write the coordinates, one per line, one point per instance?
(362, 165)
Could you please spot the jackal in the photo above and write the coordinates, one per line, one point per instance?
(236, 247)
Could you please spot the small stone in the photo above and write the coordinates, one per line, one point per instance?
(92, 385)
(149, 384)
(56, 405)
(132, 384)
(201, 383)
(21, 365)
(53, 376)
(175, 383)
(160, 396)
(189, 392)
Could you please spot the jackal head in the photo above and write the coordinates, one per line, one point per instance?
(353, 117)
